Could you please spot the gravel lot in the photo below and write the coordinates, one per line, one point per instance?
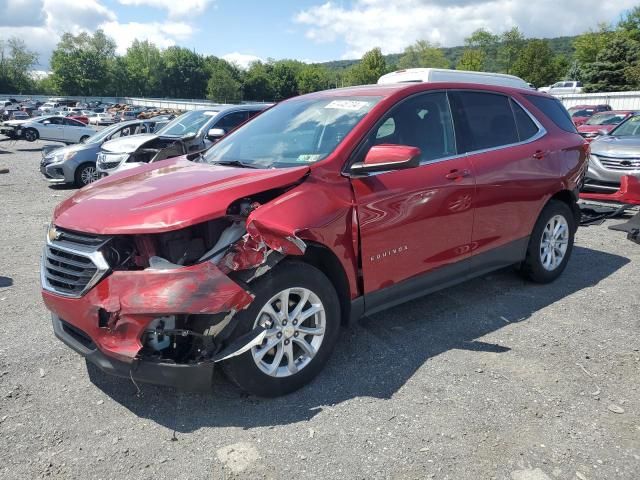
(496, 378)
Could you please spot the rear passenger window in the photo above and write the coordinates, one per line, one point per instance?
(526, 127)
(553, 109)
(483, 120)
(422, 121)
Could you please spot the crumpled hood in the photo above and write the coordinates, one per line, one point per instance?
(617, 146)
(167, 195)
(127, 144)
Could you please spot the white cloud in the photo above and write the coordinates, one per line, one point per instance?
(22, 13)
(242, 60)
(394, 25)
(175, 8)
(47, 20)
(162, 34)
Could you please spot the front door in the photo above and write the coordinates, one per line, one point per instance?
(53, 130)
(416, 220)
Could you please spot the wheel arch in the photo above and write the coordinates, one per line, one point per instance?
(570, 198)
(328, 263)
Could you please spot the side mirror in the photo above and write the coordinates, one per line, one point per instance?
(388, 157)
(216, 133)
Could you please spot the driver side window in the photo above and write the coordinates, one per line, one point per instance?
(422, 121)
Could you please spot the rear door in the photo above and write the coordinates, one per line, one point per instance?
(73, 130)
(506, 150)
(416, 220)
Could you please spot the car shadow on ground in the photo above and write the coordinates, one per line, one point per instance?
(376, 357)
(62, 186)
(5, 281)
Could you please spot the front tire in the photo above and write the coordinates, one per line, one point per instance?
(86, 174)
(550, 244)
(301, 308)
(31, 135)
(84, 138)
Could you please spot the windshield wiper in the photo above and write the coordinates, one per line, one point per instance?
(235, 163)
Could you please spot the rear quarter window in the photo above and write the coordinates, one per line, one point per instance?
(483, 120)
(554, 110)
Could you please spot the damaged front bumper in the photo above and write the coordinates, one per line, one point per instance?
(108, 323)
(189, 377)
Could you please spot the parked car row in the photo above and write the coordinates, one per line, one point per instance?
(126, 145)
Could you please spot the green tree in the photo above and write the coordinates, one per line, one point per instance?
(511, 44)
(630, 24)
(224, 85)
(312, 78)
(615, 66)
(588, 45)
(472, 59)
(257, 83)
(371, 67)
(487, 43)
(184, 74)
(423, 54)
(81, 63)
(283, 79)
(16, 61)
(144, 68)
(537, 64)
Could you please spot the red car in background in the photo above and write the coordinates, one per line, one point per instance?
(602, 123)
(581, 113)
(80, 118)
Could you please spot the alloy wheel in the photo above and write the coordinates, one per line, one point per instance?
(554, 242)
(295, 320)
(88, 175)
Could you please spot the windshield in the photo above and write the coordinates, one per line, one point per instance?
(104, 134)
(293, 133)
(629, 128)
(581, 112)
(606, 119)
(187, 124)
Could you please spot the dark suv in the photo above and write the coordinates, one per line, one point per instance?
(323, 208)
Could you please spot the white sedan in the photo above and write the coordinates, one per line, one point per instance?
(56, 128)
(101, 119)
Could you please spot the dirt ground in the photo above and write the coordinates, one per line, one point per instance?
(495, 378)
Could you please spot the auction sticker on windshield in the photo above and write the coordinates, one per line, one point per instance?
(347, 104)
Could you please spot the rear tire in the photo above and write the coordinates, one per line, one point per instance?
(86, 174)
(291, 363)
(31, 135)
(550, 244)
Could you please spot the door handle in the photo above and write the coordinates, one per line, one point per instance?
(457, 174)
(539, 154)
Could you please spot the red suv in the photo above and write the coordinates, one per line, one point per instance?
(323, 208)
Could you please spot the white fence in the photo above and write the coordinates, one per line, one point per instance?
(617, 100)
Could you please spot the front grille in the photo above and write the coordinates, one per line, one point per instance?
(109, 165)
(72, 263)
(621, 164)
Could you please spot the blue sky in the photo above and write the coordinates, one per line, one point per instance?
(307, 30)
